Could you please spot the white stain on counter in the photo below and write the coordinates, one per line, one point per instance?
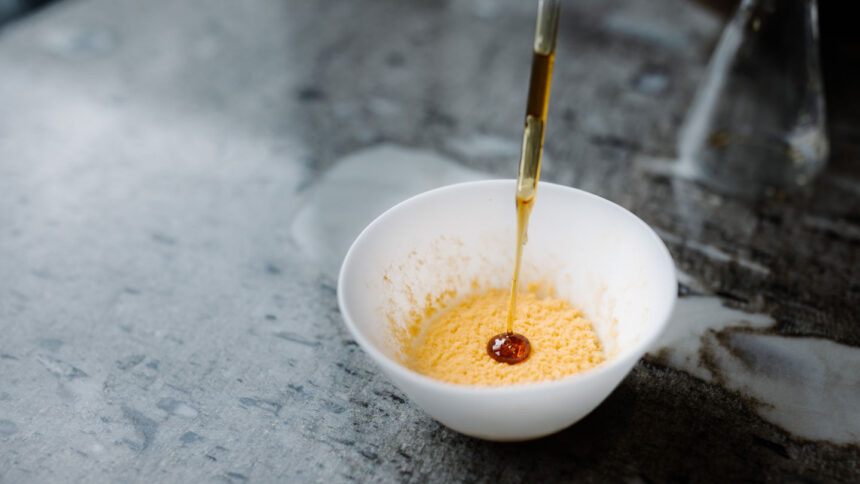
(361, 186)
(811, 385)
(694, 321)
(808, 386)
(714, 253)
(837, 226)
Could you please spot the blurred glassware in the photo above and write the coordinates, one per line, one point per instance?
(757, 121)
(15, 9)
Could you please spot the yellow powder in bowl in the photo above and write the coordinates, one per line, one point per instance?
(451, 344)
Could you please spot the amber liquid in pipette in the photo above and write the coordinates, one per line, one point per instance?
(538, 101)
(510, 347)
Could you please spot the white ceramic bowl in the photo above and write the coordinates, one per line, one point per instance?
(597, 254)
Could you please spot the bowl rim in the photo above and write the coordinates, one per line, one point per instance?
(388, 364)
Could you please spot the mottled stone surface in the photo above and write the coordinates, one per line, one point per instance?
(166, 315)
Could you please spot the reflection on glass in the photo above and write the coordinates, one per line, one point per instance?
(757, 120)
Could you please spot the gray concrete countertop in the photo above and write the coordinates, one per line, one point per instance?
(179, 180)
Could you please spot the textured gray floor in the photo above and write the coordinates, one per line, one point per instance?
(167, 314)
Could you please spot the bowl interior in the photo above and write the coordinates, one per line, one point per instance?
(445, 243)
